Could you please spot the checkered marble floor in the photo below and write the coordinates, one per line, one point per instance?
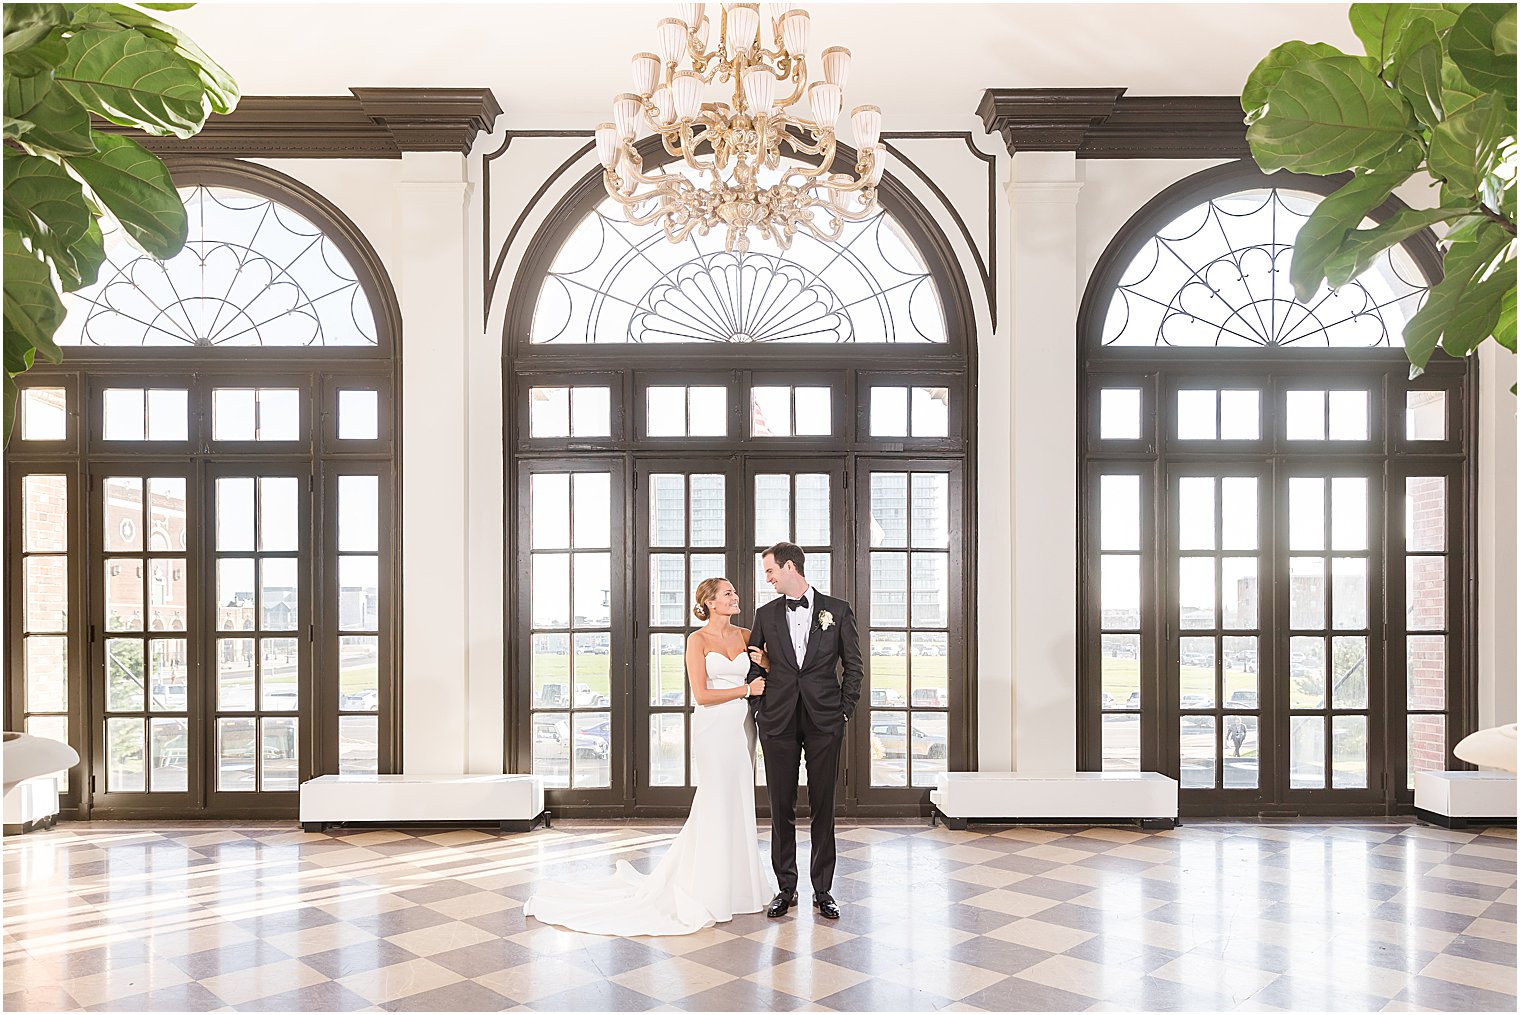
(1216, 915)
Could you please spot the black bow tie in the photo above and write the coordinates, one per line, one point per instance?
(797, 604)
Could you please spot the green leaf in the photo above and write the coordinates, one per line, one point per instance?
(135, 81)
(1360, 247)
(1454, 308)
(38, 58)
(1504, 330)
(1470, 44)
(1416, 72)
(1504, 39)
(28, 24)
(136, 188)
(1380, 26)
(61, 125)
(1253, 97)
(15, 128)
(33, 310)
(12, 395)
(1334, 217)
(1464, 147)
(24, 92)
(86, 256)
(1327, 116)
(166, 7)
(220, 89)
(48, 206)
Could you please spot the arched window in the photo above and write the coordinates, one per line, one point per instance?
(673, 410)
(1274, 516)
(205, 493)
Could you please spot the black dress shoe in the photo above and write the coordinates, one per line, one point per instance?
(781, 903)
(827, 907)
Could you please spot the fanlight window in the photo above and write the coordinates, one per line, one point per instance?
(616, 283)
(1217, 275)
(253, 273)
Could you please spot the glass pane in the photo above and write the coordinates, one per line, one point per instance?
(358, 745)
(359, 513)
(47, 592)
(1348, 594)
(773, 509)
(1121, 671)
(278, 597)
(279, 414)
(47, 674)
(590, 412)
(1348, 415)
(168, 414)
(1196, 415)
(234, 674)
(124, 595)
(1307, 666)
(359, 414)
(234, 513)
(1242, 751)
(44, 414)
(593, 740)
(1119, 415)
(931, 413)
(279, 513)
(889, 669)
(889, 509)
(1195, 591)
(820, 571)
(591, 686)
(667, 749)
(709, 413)
(359, 674)
(667, 510)
(1348, 672)
(46, 501)
(929, 670)
(593, 590)
(1121, 592)
(1121, 743)
(550, 494)
(667, 670)
(931, 510)
(551, 748)
(667, 590)
(703, 567)
(1306, 513)
(1240, 415)
(279, 668)
(1425, 579)
(233, 414)
(358, 593)
(166, 513)
(234, 594)
(125, 681)
(889, 748)
(551, 671)
(1238, 588)
(813, 509)
(551, 590)
(1307, 752)
(1306, 593)
(770, 412)
(1119, 499)
(1306, 416)
(279, 748)
(708, 510)
(1426, 745)
(665, 412)
(549, 412)
(593, 509)
(168, 675)
(1196, 672)
(931, 746)
(1348, 513)
(126, 756)
(1238, 512)
(122, 528)
(122, 414)
(235, 746)
(167, 594)
(889, 413)
(1425, 513)
(889, 589)
(1195, 513)
(1426, 678)
(169, 742)
(931, 590)
(54, 727)
(1240, 667)
(1425, 415)
(1349, 752)
(1199, 752)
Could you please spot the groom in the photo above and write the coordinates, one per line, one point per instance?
(808, 637)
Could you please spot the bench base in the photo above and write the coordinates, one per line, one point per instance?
(512, 825)
(1088, 798)
(1458, 824)
(513, 803)
(936, 817)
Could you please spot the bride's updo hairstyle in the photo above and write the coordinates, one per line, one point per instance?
(704, 595)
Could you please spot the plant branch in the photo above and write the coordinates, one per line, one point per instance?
(1494, 216)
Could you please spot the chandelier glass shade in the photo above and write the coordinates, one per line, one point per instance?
(753, 146)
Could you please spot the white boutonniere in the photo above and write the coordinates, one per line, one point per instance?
(825, 620)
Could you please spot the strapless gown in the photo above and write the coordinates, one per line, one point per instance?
(713, 868)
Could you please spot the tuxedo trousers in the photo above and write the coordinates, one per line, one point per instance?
(784, 752)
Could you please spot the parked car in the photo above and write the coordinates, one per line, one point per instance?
(1108, 700)
(367, 700)
(1196, 701)
(1242, 699)
(930, 697)
(169, 697)
(1133, 701)
(886, 697)
(895, 740)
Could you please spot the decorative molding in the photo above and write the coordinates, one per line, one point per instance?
(1102, 123)
(371, 123)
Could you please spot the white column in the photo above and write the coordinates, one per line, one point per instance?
(1496, 536)
(1042, 197)
(433, 198)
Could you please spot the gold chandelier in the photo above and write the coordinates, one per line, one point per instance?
(732, 139)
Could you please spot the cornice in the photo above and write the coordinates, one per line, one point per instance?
(1104, 123)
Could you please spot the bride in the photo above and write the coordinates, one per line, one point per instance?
(713, 868)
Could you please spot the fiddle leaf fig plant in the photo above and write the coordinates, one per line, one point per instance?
(1434, 92)
(65, 63)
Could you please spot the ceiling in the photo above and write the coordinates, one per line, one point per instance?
(558, 65)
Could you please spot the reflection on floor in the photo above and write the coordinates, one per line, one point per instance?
(1214, 915)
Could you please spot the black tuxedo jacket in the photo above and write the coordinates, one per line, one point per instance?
(813, 683)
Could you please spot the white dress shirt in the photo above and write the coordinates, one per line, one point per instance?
(799, 623)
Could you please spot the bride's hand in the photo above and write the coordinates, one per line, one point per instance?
(759, 658)
(756, 686)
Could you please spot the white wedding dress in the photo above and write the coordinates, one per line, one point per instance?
(713, 868)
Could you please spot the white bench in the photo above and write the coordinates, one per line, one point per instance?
(31, 804)
(513, 802)
(1147, 797)
(1459, 799)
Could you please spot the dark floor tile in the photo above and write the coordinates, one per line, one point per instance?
(879, 995)
(1429, 992)
(51, 998)
(358, 957)
(232, 958)
(605, 996)
(613, 956)
(1432, 919)
(438, 891)
(1106, 949)
(1298, 994)
(400, 921)
(862, 954)
(464, 996)
(181, 997)
(477, 960)
(1014, 994)
(327, 996)
(1050, 888)
(999, 956)
(1020, 864)
(1152, 993)
(286, 921)
(740, 956)
(1501, 911)
(1482, 949)
(71, 965)
(741, 995)
(503, 924)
